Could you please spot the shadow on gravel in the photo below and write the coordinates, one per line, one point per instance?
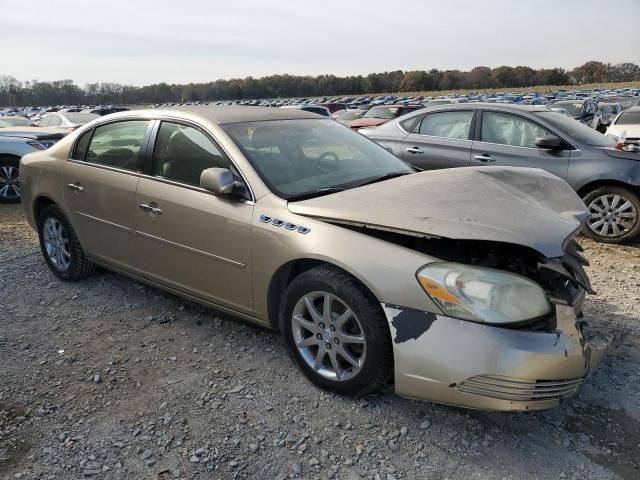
(614, 433)
(11, 452)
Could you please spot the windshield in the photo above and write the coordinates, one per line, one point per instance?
(576, 130)
(383, 112)
(629, 118)
(81, 117)
(14, 122)
(574, 108)
(296, 158)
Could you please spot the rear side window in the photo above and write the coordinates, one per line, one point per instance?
(82, 146)
(454, 125)
(118, 145)
(182, 153)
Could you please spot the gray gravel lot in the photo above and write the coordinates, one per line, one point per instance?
(112, 379)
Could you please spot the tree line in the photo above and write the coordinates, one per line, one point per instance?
(14, 92)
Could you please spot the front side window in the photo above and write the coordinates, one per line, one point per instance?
(182, 153)
(304, 158)
(82, 145)
(447, 124)
(506, 129)
(118, 144)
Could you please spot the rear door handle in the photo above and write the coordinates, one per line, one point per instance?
(76, 187)
(151, 208)
(484, 158)
(415, 150)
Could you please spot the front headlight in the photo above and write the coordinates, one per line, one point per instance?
(483, 294)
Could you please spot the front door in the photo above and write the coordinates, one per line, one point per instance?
(441, 141)
(100, 184)
(509, 140)
(190, 239)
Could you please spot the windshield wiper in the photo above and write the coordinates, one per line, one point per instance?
(381, 178)
(315, 193)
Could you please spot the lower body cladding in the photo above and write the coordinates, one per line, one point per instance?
(467, 364)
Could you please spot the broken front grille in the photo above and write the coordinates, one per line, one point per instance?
(519, 389)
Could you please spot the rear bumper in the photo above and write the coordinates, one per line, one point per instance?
(445, 360)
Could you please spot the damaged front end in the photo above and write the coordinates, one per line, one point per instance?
(527, 365)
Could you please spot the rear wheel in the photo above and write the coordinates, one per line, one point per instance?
(9, 180)
(60, 246)
(615, 214)
(336, 332)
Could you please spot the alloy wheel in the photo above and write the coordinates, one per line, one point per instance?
(612, 215)
(9, 182)
(56, 244)
(329, 336)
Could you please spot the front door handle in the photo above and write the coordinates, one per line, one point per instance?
(484, 158)
(151, 208)
(415, 150)
(75, 187)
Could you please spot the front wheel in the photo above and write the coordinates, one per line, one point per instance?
(9, 180)
(60, 246)
(615, 214)
(336, 332)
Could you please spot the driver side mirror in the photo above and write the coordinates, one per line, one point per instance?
(218, 181)
(548, 141)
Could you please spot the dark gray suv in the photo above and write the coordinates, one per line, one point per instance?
(608, 180)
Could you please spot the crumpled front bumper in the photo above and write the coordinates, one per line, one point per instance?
(467, 364)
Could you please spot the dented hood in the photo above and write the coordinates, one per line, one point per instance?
(523, 206)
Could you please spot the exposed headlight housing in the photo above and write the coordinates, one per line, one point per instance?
(483, 294)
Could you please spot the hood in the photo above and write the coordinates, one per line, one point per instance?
(522, 206)
(33, 132)
(367, 122)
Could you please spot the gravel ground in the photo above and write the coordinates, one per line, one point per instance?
(112, 379)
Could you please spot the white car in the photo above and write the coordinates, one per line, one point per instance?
(625, 128)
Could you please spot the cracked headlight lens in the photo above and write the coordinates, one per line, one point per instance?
(483, 294)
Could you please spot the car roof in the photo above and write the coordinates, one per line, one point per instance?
(507, 107)
(223, 114)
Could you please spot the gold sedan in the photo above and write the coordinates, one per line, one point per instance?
(461, 286)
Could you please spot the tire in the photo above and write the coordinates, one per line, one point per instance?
(60, 246)
(9, 180)
(374, 357)
(622, 216)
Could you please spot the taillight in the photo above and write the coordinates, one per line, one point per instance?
(37, 145)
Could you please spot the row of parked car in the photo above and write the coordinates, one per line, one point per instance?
(603, 169)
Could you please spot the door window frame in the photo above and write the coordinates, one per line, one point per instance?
(566, 145)
(91, 131)
(151, 145)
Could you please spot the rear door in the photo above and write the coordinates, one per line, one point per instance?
(508, 139)
(192, 240)
(442, 140)
(100, 182)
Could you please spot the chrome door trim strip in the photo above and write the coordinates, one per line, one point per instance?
(191, 250)
(106, 222)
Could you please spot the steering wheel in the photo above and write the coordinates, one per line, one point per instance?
(325, 166)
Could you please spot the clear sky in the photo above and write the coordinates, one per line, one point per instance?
(180, 41)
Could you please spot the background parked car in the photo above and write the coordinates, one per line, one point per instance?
(585, 111)
(608, 111)
(625, 128)
(14, 122)
(14, 143)
(313, 108)
(69, 121)
(381, 114)
(608, 180)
